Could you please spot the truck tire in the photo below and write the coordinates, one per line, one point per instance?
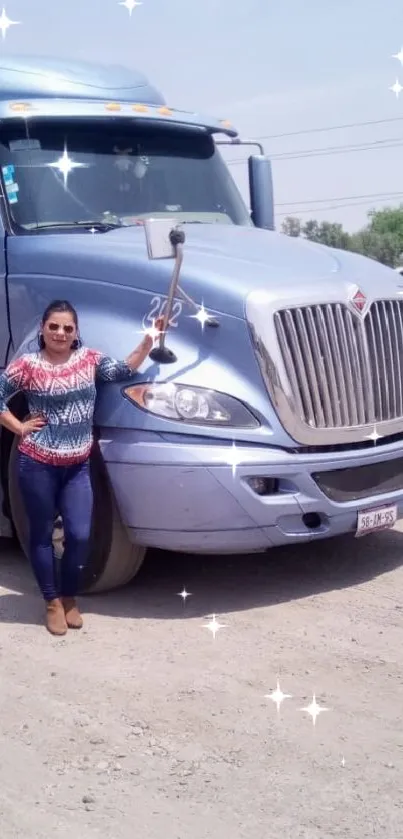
(114, 560)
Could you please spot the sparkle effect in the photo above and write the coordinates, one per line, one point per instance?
(65, 165)
(277, 696)
(313, 710)
(184, 594)
(202, 316)
(235, 458)
(399, 56)
(130, 5)
(396, 88)
(374, 436)
(5, 23)
(213, 625)
(152, 331)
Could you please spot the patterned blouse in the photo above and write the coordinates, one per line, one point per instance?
(64, 394)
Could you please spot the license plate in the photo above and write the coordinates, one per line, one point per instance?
(380, 518)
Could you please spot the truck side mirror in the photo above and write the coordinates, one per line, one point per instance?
(261, 191)
(165, 240)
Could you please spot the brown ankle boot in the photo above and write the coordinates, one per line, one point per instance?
(55, 618)
(72, 615)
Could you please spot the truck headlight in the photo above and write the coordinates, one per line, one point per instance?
(191, 404)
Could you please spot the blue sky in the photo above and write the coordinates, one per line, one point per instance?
(269, 67)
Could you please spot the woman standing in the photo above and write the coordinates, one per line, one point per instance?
(55, 446)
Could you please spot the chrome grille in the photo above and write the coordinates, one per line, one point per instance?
(343, 370)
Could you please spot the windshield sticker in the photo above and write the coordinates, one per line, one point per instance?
(25, 144)
(8, 174)
(13, 187)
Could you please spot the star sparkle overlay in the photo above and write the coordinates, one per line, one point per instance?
(313, 709)
(130, 5)
(396, 88)
(277, 696)
(235, 458)
(152, 331)
(374, 436)
(399, 56)
(213, 625)
(5, 23)
(65, 165)
(202, 316)
(184, 594)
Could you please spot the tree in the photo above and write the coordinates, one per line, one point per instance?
(380, 239)
(386, 234)
(291, 226)
(311, 231)
(327, 233)
(383, 248)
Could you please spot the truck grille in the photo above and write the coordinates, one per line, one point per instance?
(343, 370)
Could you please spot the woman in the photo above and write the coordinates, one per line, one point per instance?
(55, 446)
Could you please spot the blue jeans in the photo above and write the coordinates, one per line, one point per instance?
(48, 491)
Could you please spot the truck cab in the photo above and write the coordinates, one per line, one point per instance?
(281, 419)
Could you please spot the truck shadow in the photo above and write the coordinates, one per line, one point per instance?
(216, 584)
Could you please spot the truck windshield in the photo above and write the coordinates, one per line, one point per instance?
(73, 173)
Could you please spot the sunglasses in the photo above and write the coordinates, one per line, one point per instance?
(68, 329)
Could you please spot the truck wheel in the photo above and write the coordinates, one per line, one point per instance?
(114, 560)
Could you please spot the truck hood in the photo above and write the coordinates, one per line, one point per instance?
(222, 264)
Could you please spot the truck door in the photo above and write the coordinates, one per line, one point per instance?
(4, 330)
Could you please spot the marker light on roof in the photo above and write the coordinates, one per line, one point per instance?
(141, 109)
(113, 106)
(226, 123)
(165, 111)
(20, 106)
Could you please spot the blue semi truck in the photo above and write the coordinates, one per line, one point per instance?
(279, 418)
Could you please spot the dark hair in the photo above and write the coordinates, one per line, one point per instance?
(59, 306)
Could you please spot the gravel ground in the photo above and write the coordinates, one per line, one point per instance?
(145, 725)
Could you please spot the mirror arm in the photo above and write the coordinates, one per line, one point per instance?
(161, 353)
(236, 141)
(211, 321)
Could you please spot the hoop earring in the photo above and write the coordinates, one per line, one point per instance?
(77, 343)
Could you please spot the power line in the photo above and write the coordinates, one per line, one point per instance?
(328, 128)
(386, 143)
(376, 145)
(336, 206)
(341, 198)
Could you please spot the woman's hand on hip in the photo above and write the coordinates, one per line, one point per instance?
(31, 425)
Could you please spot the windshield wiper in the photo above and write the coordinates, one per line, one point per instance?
(97, 224)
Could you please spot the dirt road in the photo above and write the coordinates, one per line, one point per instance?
(145, 726)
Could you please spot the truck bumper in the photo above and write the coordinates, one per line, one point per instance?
(195, 497)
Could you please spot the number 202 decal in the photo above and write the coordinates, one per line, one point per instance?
(157, 310)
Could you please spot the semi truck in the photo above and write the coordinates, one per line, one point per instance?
(275, 415)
